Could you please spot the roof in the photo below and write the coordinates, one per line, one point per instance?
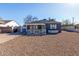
(5, 21)
(44, 21)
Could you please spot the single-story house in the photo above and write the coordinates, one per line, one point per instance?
(42, 27)
(70, 28)
(77, 26)
(8, 26)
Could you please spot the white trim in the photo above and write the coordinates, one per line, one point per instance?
(52, 31)
(36, 24)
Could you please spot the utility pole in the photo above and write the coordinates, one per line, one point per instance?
(73, 20)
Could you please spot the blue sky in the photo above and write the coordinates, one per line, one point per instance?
(58, 11)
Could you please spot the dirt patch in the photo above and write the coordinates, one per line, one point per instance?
(63, 44)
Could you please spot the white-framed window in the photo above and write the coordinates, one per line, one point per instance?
(53, 26)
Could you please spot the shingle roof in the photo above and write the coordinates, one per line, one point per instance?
(4, 21)
(45, 21)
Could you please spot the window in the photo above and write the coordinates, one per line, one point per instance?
(39, 27)
(28, 27)
(24, 25)
(53, 26)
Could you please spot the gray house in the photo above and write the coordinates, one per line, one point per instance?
(42, 27)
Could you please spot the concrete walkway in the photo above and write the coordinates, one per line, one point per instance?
(6, 37)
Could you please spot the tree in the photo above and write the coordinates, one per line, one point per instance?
(28, 19)
(1, 18)
(66, 22)
(35, 18)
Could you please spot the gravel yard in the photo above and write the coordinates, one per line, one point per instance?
(63, 44)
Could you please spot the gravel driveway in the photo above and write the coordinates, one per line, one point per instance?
(6, 37)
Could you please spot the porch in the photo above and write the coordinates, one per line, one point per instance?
(36, 29)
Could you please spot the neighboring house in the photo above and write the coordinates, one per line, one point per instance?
(70, 28)
(77, 26)
(42, 27)
(8, 25)
(67, 27)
